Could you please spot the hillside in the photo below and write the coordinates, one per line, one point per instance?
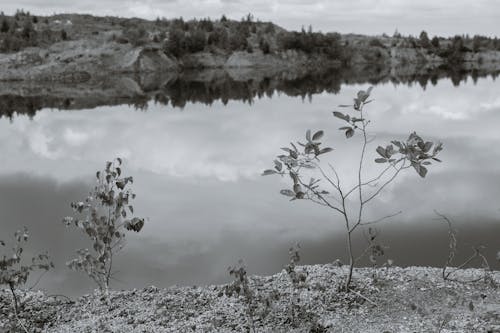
(77, 48)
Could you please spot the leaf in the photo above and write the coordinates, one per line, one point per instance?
(278, 166)
(437, 148)
(380, 160)
(120, 184)
(381, 152)
(119, 160)
(135, 224)
(325, 150)
(131, 209)
(288, 193)
(436, 159)
(342, 116)
(268, 172)
(349, 133)
(422, 171)
(428, 146)
(288, 150)
(2, 243)
(318, 135)
(308, 135)
(297, 188)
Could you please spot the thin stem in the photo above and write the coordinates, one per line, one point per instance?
(386, 183)
(326, 202)
(381, 219)
(14, 298)
(376, 178)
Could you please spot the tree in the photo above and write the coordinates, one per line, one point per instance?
(64, 35)
(296, 164)
(424, 40)
(435, 42)
(103, 218)
(5, 26)
(28, 31)
(196, 41)
(176, 42)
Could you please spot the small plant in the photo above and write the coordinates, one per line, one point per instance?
(104, 215)
(298, 280)
(257, 304)
(14, 273)
(452, 251)
(241, 287)
(398, 156)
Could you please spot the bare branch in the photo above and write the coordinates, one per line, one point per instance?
(385, 184)
(381, 219)
(376, 178)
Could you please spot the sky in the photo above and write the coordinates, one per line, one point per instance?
(373, 17)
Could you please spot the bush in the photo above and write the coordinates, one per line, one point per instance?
(104, 216)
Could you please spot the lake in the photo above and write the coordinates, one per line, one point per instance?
(197, 168)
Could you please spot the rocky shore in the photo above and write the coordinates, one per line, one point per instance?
(84, 60)
(414, 299)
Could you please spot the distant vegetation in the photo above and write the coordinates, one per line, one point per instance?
(24, 30)
(177, 37)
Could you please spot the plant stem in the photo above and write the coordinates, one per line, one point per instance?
(14, 298)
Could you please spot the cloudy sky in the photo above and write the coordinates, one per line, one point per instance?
(445, 17)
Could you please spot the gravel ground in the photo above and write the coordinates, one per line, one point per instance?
(384, 300)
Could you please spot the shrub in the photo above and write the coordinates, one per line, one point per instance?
(398, 156)
(13, 272)
(103, 217)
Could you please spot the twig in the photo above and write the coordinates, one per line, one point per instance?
(381, 219)
(363, 297)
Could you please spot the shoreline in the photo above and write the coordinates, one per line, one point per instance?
(389, 299)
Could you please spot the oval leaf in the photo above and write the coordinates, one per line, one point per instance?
(318, 135)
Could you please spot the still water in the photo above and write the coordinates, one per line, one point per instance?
(197, 179)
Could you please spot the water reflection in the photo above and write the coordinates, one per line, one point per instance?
(197, 176)
(209, 86)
